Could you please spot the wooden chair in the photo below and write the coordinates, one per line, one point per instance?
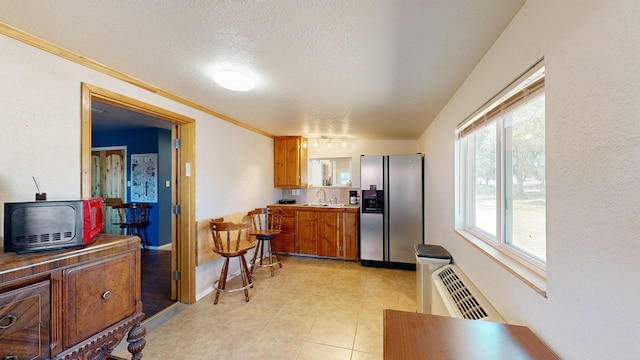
(231, 240)
(134, 218)
(266, 226)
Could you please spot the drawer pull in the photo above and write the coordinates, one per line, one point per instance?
(106, 295)
(7, 322)
(10, 357)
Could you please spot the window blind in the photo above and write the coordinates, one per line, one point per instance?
(527, 84)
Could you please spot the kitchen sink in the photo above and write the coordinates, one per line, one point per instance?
(323, 205)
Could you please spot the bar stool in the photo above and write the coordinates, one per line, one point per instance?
(231, 240)
(266, 226)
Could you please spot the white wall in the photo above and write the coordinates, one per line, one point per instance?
(40, 136)
(593, 161)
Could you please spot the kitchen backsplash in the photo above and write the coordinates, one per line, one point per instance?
(314, 194)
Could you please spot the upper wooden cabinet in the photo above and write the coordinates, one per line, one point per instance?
(290, 162)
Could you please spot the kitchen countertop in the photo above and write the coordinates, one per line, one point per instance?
(330, 207)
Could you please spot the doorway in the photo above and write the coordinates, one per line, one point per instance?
(108, 169)
(182, 185)
(120, 137)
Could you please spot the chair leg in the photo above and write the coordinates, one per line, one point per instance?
(270, 254)
(278, 257)
(145, 243)
(255, 256)
(222, 283)
(245, 277)
(261, 251)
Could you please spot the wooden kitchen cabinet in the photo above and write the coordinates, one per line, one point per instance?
(285, 241)
(73, 303)
(307, 232)
(349, 236)
(290, 162)
(328, 234)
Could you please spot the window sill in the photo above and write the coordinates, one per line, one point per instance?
(534, 280)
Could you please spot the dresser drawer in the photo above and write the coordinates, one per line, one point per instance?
(25, 314)
(98, 295)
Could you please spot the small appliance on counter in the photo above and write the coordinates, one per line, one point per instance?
(353, 197)
(286, 201)
(51, 225)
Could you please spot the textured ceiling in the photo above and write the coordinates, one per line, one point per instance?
(361, 69)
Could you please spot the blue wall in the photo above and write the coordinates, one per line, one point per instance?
(147, 141)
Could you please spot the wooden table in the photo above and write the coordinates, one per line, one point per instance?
(410, 335)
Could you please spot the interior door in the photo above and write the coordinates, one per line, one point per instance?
(107, 181)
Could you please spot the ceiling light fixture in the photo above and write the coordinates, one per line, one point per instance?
(233, 80)
(329, 139)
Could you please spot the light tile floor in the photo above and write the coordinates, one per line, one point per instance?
(311, 309)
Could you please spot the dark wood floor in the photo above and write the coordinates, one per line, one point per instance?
(156, 281)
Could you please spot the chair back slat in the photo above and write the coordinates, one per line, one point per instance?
(266, 219)
(228, 236)
(133, 212)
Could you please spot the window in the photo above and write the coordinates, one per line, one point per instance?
(501, 174)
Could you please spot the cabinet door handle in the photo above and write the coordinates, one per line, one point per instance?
(7, 321)
(10, 357)
(106, 295)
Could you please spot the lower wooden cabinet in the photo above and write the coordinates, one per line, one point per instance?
(72, 304)
(285, 241)
(307, 232)
(325, 232)
(328, 234)
(349, 235)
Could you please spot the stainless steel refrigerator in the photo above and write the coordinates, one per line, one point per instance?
(391, 210)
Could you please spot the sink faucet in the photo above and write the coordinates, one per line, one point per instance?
(324, 196)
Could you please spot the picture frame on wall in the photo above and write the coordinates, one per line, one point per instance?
(144, 178)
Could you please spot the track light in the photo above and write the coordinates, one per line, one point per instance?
(329, 141)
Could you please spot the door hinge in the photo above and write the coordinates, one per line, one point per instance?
(175, 209)
(175, 275)
(176, 143)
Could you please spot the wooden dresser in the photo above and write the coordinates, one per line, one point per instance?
(72, 303)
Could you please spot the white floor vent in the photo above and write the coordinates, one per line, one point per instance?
(453, 294)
